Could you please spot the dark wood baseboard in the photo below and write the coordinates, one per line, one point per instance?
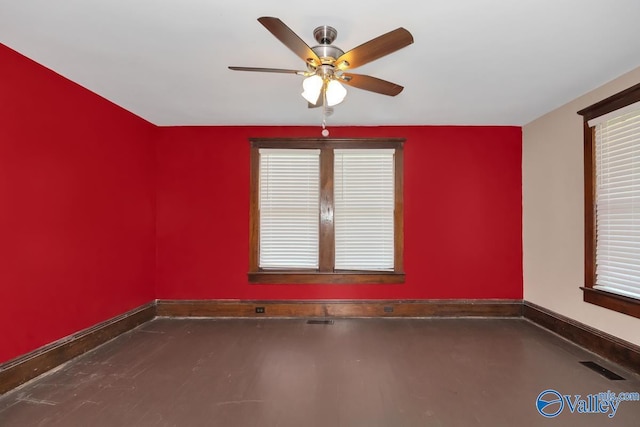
(35, 363)
(28, 366)
(369, 308)
(607, 346)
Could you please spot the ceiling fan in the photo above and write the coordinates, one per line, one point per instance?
(327, 64)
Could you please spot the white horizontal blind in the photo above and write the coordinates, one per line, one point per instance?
(289, 208)
(618, 204)
(364, 209)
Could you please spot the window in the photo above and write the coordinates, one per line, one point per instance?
(326, 211)
(288, 208)
(612, 202)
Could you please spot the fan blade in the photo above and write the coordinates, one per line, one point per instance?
(290, 39)
(310, 105)
(375, 48)
(268, 70)
(371, 84)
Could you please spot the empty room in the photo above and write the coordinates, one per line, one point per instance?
(368, 213)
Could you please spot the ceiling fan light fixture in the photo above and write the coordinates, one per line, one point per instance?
(326, 64)
(336, 93)
(312, 87)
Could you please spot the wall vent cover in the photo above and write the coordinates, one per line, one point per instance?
(319, 322)
(602, 371)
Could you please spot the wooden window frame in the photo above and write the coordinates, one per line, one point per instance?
(325, 274)
(619, 303)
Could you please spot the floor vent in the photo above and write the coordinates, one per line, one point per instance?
(602, 371)
(320, 322)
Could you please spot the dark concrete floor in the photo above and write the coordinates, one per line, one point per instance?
(356, 372)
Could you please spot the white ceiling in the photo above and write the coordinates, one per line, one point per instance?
(484, 62)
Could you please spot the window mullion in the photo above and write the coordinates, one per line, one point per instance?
(327, 237)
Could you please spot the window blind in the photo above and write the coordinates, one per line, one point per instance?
(364, 209)
(289, 208)
(617, 153)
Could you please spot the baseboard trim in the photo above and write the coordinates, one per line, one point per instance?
(360, 308)
(26, 367)
(605, 345)
(30, 365)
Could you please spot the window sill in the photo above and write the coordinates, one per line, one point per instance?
(297, 277)
(619, 303)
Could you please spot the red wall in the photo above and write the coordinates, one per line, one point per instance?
(463, 214)
(77, 230)
(97, 206)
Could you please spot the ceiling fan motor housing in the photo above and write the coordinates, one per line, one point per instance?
(327, 53)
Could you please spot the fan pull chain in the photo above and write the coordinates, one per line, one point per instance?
(325, 131)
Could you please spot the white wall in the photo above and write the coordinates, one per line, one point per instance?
(553, 214)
